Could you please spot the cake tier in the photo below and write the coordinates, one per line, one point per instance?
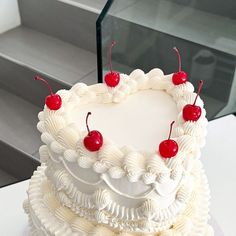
(124, 187)
(48, 217)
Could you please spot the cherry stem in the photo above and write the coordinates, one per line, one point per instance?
(46, 82)
(179, 58)
(198, 91)
(113, 43)
(171, 127)
(88, 114)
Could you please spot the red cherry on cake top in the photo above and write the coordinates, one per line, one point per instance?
(168, 148)
(192, 112)
(94, 140)
(53, 101)
(112, 78)
(179, 77)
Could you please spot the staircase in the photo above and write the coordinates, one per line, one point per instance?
(51, 38)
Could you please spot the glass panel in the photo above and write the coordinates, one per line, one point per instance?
(204, 32)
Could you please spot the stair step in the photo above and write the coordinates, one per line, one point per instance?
(18, 122)
(96, 6)
(90, 5)
(15, 165)
(6, 179)
(25, 52)
(61, 20)
(46, 54)
(18, 79)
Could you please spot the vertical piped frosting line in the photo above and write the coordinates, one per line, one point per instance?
(48, 217)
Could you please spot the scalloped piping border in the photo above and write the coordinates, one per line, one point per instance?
(81, 93)
(103, 177)
(82, 204)
(43, 220)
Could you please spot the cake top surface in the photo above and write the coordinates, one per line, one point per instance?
(142, 121)
(134, 118)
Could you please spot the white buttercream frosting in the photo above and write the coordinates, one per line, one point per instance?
(101, 198)
(57, 132)
(101, 231)
(102, 207)
(128, 188)
(49, 218)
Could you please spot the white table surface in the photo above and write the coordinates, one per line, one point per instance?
(219, 158)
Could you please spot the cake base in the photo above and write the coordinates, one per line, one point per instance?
(48, 217)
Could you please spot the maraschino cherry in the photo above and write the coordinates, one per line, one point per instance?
(94, 140)
(192, 112)
(53, 101)
(112, 78)
(179, 77)
(168, 148)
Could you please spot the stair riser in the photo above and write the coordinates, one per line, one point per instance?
(68, 23)
(19, 79)
(16, 163)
